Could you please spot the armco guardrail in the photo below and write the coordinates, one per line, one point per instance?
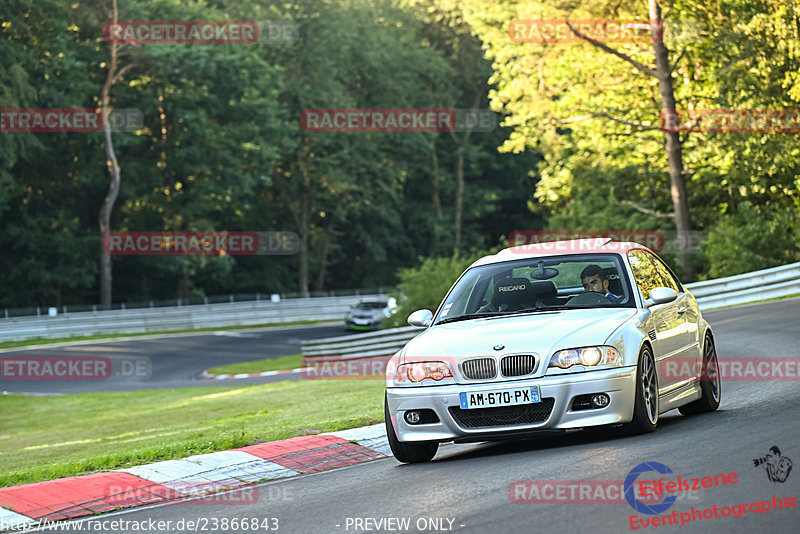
(177, 317)
(710, 294)
(383, 343)
(749, 287)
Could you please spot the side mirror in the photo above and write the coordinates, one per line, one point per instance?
(420, 318)
(660, 295)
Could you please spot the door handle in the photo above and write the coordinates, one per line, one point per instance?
(682, 310)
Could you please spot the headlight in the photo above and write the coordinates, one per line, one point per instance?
(414, 373)
(586, 356)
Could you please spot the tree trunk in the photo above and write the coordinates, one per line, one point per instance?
(683, 224)
(459, 198)
(320, 285)
(435, 199)
(304, 220)
(182, 291)
(302, 270)
(297, 196)
(462, 145)
(115, 174)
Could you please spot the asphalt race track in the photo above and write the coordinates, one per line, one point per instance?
(175, 361)
(469, 484)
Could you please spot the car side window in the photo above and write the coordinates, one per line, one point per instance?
(665, 272)
(645, 273)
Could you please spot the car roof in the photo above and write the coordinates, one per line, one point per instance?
(591, 245)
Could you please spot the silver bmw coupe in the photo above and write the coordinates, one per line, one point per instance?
(552, 336)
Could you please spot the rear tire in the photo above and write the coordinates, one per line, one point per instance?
(710, 384)
(645, 407)
(408, 453)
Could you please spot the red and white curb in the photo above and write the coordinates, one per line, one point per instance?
(327, 367)
(206, 374)
(189, 478)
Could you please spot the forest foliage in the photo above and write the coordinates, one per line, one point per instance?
(221, 146)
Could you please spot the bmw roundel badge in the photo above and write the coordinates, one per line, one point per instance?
(499, 347)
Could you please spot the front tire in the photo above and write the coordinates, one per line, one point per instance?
(710, 384)
(408, 453)
(645, 407)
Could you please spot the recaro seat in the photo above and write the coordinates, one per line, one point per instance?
(509, 295)
(614, 283)
(546, 292)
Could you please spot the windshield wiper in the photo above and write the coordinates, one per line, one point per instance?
(558, 308)
(471, 316)
(538, 309)
(513, 312)
(546, 309)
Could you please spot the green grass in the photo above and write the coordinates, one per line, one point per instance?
(259, 366)
(42, 438)
(47, 341)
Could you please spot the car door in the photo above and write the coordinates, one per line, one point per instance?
(687, 308)
(666, 326)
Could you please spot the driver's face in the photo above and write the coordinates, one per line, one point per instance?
(594, 283)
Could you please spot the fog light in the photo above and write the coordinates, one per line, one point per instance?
(412, 417)
(600, 400)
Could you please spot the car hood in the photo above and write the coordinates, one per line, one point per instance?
(542, 333)
(371, 313)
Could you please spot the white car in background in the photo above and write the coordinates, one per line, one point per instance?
(533, 339)
(369, 313)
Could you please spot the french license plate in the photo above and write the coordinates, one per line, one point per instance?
(489, 398)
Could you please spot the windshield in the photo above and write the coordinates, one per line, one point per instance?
(538, 284)
(370, 305)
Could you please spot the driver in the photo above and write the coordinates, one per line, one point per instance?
(594, 280)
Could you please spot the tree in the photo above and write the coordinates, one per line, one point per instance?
(324, 178)
(598, 123)
(115, 73)
(663, 73)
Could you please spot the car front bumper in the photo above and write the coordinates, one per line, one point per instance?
(368, 326)
(619, 384)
